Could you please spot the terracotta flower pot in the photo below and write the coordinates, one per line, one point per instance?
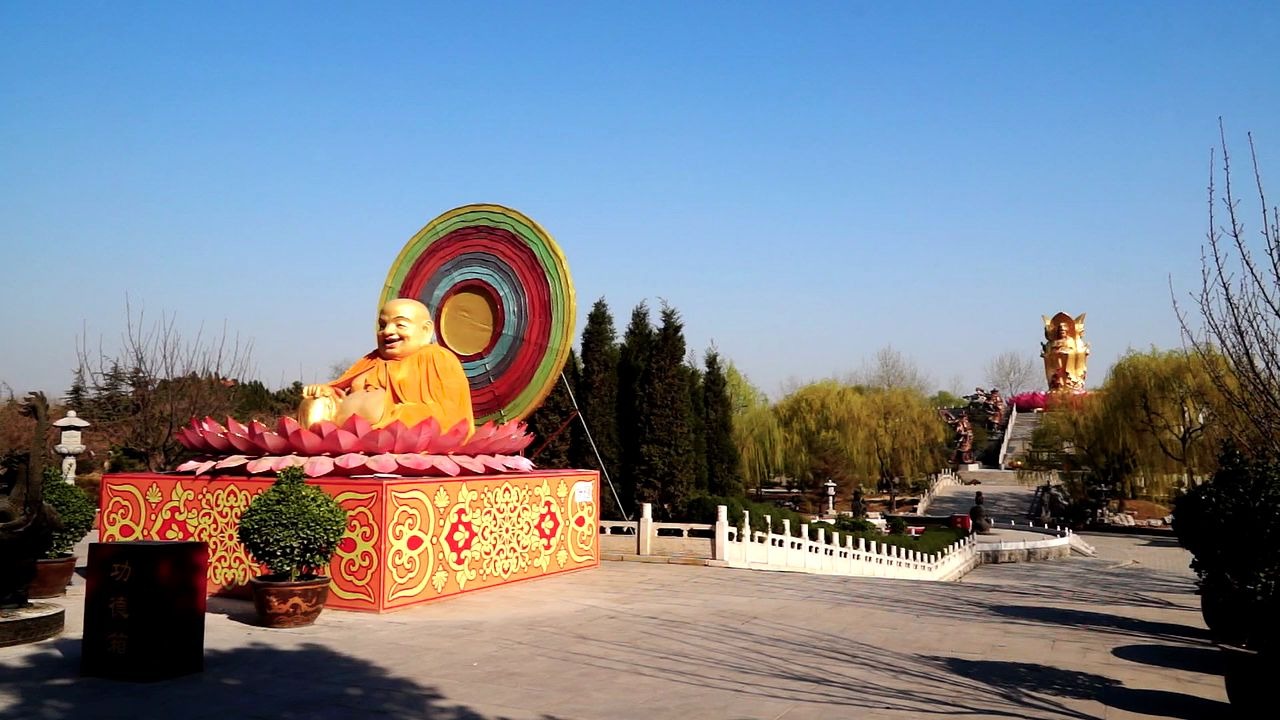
(285, 604)
(52, 577)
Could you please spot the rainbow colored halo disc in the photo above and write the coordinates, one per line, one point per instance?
(499, 290)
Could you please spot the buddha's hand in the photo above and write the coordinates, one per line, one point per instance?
(319, 391)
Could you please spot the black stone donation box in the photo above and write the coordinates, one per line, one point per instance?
(144, 610)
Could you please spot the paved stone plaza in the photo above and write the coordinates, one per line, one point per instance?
(1118, 636)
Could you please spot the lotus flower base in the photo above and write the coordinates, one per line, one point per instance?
(354, 448)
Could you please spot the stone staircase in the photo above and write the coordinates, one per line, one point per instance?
(1020, 437)
(1006, 496)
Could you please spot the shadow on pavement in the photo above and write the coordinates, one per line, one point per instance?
(1103, 622)
(234, 609)
(1021, 683)
(1207, 660)
(305, 681)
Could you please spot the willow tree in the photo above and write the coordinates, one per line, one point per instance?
(903, 438)
(1173, 408)
(1158, 416)
(761, 445)
(757, 435)
(822, 423)
(743, 395)
(1102, 447)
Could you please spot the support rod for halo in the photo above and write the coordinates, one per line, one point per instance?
(604, 470)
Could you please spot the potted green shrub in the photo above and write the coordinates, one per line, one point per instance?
(293, 529)
(76, 513)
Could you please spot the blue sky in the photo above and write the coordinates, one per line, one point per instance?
(806, 182)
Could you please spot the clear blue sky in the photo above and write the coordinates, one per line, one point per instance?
(806, 182)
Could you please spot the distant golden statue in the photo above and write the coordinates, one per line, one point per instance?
(408, 378)
(1065, 352)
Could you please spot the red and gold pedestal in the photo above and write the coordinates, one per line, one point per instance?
(408, 540)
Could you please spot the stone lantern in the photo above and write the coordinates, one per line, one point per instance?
(69, 445)
(830, 485)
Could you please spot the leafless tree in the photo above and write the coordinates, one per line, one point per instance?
(340, 366)
(157, 380)
(1239, 307)
(891, 369)
(1010, 372)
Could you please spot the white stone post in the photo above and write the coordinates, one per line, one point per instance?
(722, 532)
(644, 533)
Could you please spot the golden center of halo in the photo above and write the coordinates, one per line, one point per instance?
(467, 321)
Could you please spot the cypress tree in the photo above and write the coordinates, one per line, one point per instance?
(111, 395)
(664, 475)
(597, 393)
(697, 428)
(550, 425)
(78, 395)
(723, 477)
(633, 358)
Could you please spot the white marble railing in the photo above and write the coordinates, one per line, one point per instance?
(944, 478)
(1008, 431)
(765, 550)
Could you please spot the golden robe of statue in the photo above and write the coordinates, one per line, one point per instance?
(1065, 352)
(408, 378)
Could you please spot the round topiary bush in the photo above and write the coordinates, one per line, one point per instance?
(75, 512)
(292, 528)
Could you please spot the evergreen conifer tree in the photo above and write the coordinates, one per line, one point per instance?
(553, 425)
(78, 395)
(697, 428)
(723, 476)
(664, 475)
(633, 358)
(597, 393)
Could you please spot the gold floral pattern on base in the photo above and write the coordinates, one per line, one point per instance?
(408, 540)
(410, 522)
(355, 562)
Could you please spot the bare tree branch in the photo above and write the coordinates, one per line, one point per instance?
(1011, 372)
(1238, 304)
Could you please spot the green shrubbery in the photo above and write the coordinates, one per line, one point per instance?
(292, 528)
(702, 509)
(74, 511)
(1231, 525)
(932, 540)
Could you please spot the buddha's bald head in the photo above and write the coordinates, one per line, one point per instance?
(404, 328)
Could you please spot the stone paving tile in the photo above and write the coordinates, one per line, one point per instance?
(1114, 636)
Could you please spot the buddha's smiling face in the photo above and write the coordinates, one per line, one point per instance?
(404, 327)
